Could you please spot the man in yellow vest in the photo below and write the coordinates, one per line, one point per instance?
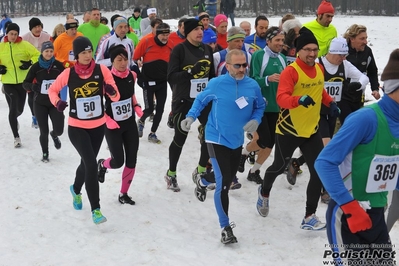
(300, 94)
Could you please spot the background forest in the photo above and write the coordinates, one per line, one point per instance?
(178, 8)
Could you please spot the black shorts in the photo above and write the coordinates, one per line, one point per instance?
(267, 130)
(327, 126)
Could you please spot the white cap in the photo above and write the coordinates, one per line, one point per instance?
(338, 46)
(152, 10)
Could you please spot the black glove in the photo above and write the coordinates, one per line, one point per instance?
(35, 87)
(25, 65)
(3, 70)
(354, 86)
(199, 67)
(334, 110)
(306, 100)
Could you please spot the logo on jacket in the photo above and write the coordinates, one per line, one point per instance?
(205, 68)
(87, 90)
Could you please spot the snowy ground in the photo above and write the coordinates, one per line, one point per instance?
(40, 227)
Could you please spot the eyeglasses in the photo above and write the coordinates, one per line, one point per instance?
(308, 50)
(343, 55)
(237, 66)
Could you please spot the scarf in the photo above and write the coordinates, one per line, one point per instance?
(46, 64)
(85, 70)
(120, 74)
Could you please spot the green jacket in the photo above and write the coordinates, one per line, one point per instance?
(132, 36)
(11, 55)
(134, 23)
(265, 63)
(323, 35)
(94, 33)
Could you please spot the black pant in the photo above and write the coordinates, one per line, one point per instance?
(43, 112)
(15, 96)
(341, 238)
(285, 146)
(347, 108)
(121, 141)
(225, 163)
(30, 102)
(180, 111)
(160, 92)
(87, 143)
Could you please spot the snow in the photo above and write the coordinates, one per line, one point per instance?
(40, 227)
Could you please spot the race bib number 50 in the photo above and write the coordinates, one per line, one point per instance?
(383, 174)
(89, 107)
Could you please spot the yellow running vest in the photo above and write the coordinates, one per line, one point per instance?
(301, 121)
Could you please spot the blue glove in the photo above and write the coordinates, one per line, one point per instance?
(334, 110)
(306, 100)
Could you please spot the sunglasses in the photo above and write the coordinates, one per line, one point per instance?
(237, 66)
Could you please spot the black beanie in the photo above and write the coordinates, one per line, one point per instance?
(305, 37)
(33, 22)
(115, 50)
(12, 26)
(191, 24)
(81, 44)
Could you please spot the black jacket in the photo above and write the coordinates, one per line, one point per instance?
(228, 6)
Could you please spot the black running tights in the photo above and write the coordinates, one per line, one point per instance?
(15, 96)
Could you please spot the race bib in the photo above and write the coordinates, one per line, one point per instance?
(46, 85)
(90, 107)
(197, 85)
(137, 32)
(290, 59)
(334, 89)
(71, 56)
(122, 110)
(383, 174)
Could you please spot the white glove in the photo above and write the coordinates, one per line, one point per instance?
(251, 126)
(186, 123)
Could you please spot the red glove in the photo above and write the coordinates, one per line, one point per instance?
(109, 90)
(138, 110)
(61, 105)
(111, 123)
(356, 216)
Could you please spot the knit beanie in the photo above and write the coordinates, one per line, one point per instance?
(390, 75)
(210, 37)
(219, 19)
(81, 44)
(235, 33)
(325, 7)
(33, 22)
(71, 25)
(115, 50)
(136, 9)
(12, 26)
(190, 24)
(47, 45)
(305, 37)
(338, 45)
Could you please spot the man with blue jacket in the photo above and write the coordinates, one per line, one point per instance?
(237, 106)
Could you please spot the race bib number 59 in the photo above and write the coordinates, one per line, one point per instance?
(197, 85)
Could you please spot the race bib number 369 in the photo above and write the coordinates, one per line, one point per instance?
(383, 174)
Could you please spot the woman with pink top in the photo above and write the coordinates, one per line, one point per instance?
(88, 82)
(121, 131)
